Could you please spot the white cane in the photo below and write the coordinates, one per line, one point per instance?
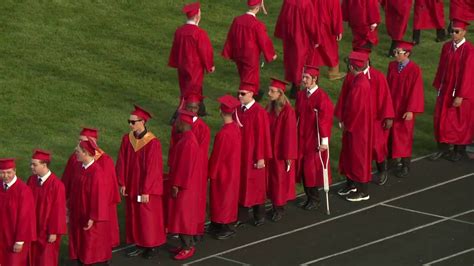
(324, 165)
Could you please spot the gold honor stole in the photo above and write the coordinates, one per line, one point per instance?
(98, 154)
(137, 144)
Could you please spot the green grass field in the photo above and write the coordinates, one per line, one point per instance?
(67, 64)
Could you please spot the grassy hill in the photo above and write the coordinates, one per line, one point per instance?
(67, 64)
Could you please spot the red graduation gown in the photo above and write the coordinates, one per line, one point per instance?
(18, 223)
(256, 145)
(455, 125)
(140, 169)
(246, 40)
(309, 163)
(111, 184)
(330, 25)
(203, 135)
(224, 174)
(406, 89)
(297, 28)
(89, 199)
(382, 102)
(357, 116)
(50, 200)
(185, 212)
(360, 14)
(428, 14)
(69, 173)
(191, 54)
(281, 184)
(397, 13)
(461, 9)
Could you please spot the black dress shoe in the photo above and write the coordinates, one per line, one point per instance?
(150, 253)
(303, 203)
(225, 234)
(136, 252)
(259, 222)
(438, 155)
(311, 206)
(213, 228)
(382, 178)
(455, 156)
(402, 172)
(239, 224)
(276, 216)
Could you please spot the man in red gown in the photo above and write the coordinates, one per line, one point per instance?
(314, 111)
(108, 167)
(454, 110)
(50, 198)
(89, 232)
(140, 177)
(330, 32)
(281, 167)
(185, 177)
(224, 171)
(256, 149)
(406, 87)
(363, 17)
(191, 53)
(18, 219)
(246, 40)
(397, 13)
(297, 28)
(356, 118)
(428, 14)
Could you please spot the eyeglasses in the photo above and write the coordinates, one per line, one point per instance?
(455, 31)
(242, 93)
(399, 52)
(132, 122)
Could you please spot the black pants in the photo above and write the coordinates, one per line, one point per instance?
(312, 193)
(258, 213)
(187, 241)
(362, 187)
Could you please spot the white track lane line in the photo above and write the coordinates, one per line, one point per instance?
(386, 238)
(449, 257)
(329, 220)
(233, 261)
(425, 213)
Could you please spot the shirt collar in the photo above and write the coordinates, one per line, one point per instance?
(191, 22)
(195, 118)
(45, 177)
(312, 90)
(11, 182)
(249, 105)
(457, 45)
(404, 62)
(89, 164)
(250, 13)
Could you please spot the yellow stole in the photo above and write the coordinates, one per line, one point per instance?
(137, 144)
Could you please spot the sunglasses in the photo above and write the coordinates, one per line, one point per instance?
(132, 122)
(455, 31)
(399, 52)
(242, 93)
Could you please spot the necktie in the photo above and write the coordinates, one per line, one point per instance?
(40, 181)
(244, 108)
(400, 67)
(308, 93)
(5, 186)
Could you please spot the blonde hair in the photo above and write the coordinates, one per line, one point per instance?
(277, 105)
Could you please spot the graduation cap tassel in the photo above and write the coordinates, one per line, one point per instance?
(324, 165)
(263, 8)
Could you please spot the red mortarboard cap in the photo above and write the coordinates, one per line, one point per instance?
(313, 71)
(459, 23)
(193, 98)
(41, 155)
(246, 86)
(254, 2)
(89, 146)
(7, 163)
(191, 9)
(406, 46)
(280, 84)
(228, 103)
(362, 50)
(90, 132)
(358, 59)
(186, 116)
(140, 112)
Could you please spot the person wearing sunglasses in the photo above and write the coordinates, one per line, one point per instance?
(140, 177)
(314, 111)
(18, 218)
(256, 150)
(281, 167)
(108, 166)
(246, 40)
(406, 87)
(192, 54)
(355, 112)
(454, 110)
(428, 14)
(50, 199)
